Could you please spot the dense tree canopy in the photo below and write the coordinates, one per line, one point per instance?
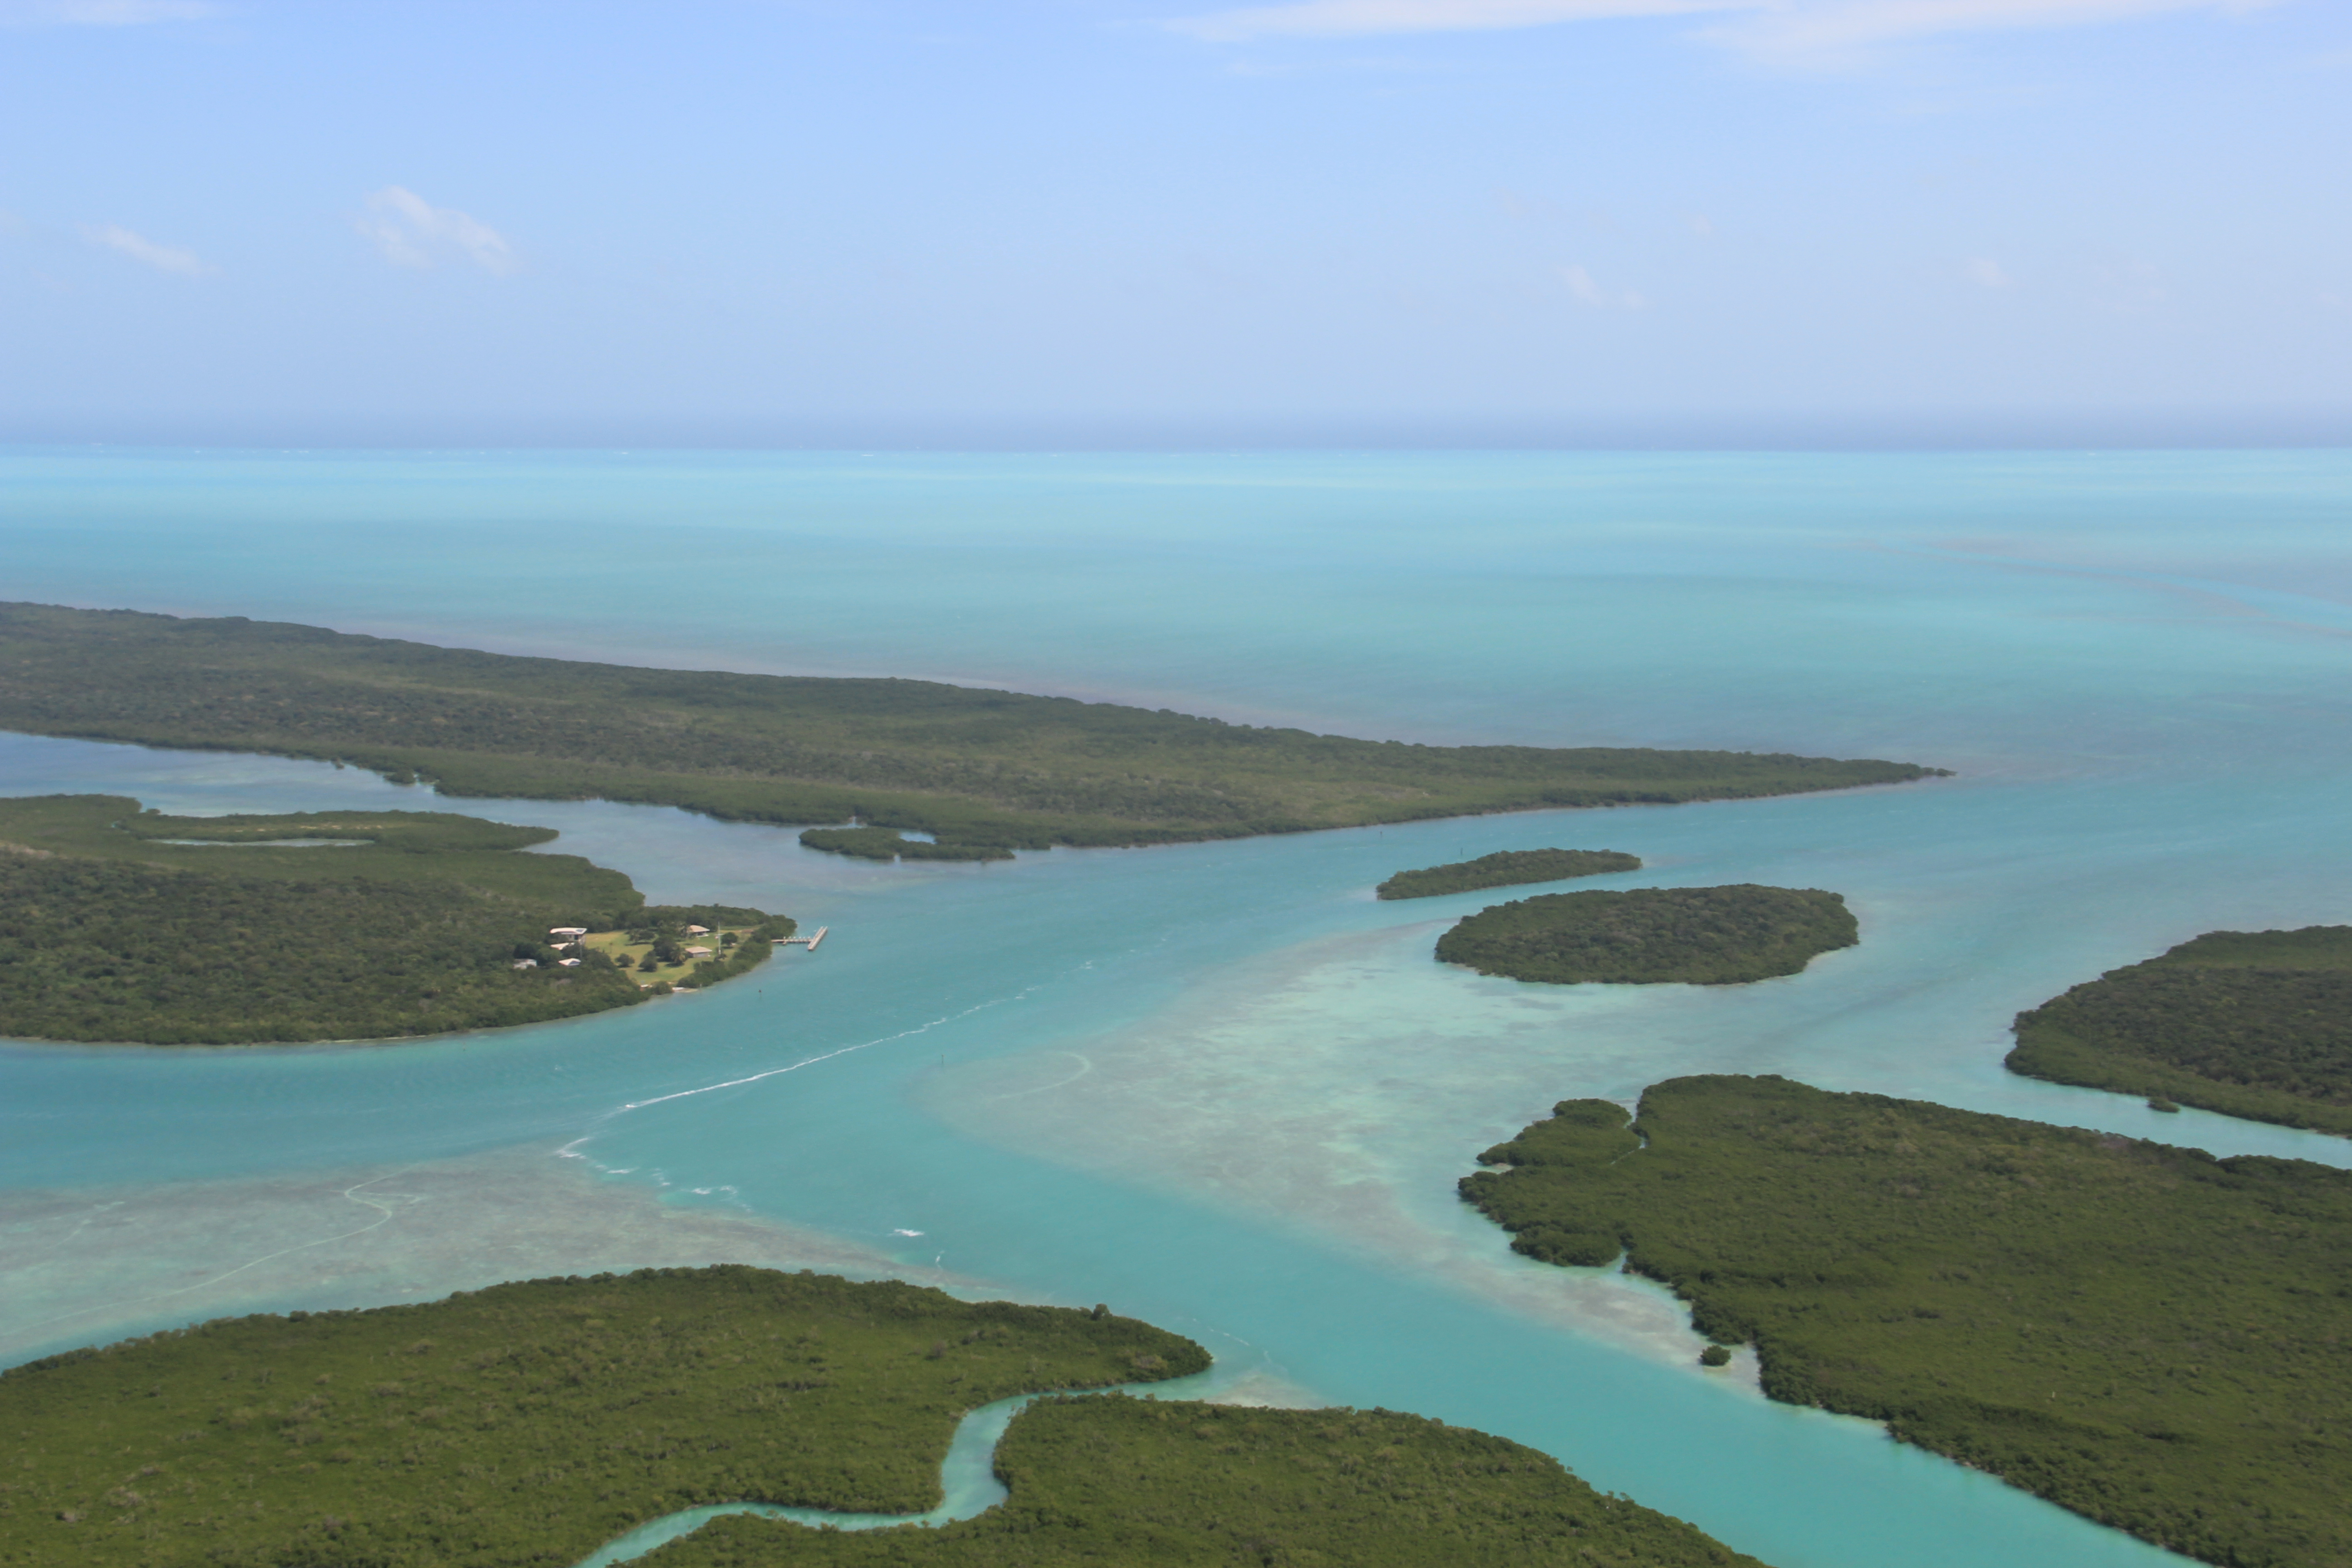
(889, 844)
(1703, 936)
(2144, 1334)
(2253, 1024)
(1097, 1482)
(123, 925)
(1505, 868)
(525, 1424)
(989, 770)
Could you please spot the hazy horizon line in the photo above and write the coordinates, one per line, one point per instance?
(1994, 430)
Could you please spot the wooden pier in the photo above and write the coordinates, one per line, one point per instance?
(810, 941)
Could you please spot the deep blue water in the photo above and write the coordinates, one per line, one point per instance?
(1219, 1086)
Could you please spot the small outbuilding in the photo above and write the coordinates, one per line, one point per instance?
(568, 932)
(697, 931)
(526, 963)
(698, 953)
(567, 963)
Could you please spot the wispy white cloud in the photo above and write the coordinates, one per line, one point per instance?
(1829, 30)
(1789, 28)
(139, 248)
(100, 13)
(1588, 291)
(412, 231)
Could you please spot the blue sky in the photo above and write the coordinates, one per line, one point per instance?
(1109, 221)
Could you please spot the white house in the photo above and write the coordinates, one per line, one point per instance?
(568, 933)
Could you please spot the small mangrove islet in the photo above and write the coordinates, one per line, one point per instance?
(126, 926)
(2144, 1334)
(2251, 1024)
(1505, 868)
(1649, 936)
(866, 843)
(526, 1425)
(983, 773)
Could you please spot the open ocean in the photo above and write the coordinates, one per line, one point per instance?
(1220, 1087)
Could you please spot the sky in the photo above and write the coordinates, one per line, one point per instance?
(1116, 222)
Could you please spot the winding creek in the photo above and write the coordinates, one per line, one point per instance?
(968, 1483)
(968, 1488)
(1220, 1086)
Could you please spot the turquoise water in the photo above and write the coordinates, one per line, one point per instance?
(1219, 1086)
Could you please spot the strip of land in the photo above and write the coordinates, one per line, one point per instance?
(127, 926)
(1505, 868)
(2251, 1024)
(977, 770)
(2145, 1334)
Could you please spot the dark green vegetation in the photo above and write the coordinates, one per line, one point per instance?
(889, 844)
(981, 770)
(2252, 1023)
(1505, 868)
(394, 846)
(1703, 936)
(110, 931)
(2144, 1334)
(525, 1424)
(1132, 1481)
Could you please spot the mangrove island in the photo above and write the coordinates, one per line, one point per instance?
(1650, 936)
(2144, 1334)
(977, 770)
(127, 926)
(2251, 1024)
(531, 1424)
(1505, 868)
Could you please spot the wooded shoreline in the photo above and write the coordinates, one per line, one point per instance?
(982, 771)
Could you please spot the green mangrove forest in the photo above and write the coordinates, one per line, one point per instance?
(863, 843)
(1646, 936)
(979, 770)
(1133, 1482)
(2251, 1024)
(525, 1424)
(128, 926)
(1505, 868)
(2147, 1335)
